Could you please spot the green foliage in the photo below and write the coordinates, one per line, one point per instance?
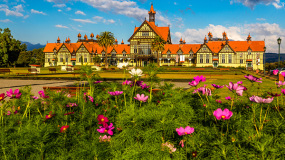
(142, 126)
(158, 46)
(10, 48)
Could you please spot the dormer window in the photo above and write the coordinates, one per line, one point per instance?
(113, 53)
(103, 54)
(249, 52)
(191, 54)
(124, 54)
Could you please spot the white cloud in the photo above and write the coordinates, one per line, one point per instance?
(98, 19)
(252, 3)
(124, 7)
(83, 20)
(260, 19)
(80, 12)
(59, 10)
(37, 12)
(59, 5)
(175, 3)
(258, 32)
(111, 21)
(5, 21)
(15, 12)
(60, 26)
(68, 8)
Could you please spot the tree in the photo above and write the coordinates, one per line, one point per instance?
(106, 39)
(25, 58)
(158, 46)
(10, 48)
(40, 56)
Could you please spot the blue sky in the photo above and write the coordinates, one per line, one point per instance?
(42, 21)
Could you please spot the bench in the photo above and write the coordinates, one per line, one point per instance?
(5, 71)
(175, 69)
(32, 71)
(69, 69)
(199, 69)
(71, 90)
(224, 69)
(52, 70)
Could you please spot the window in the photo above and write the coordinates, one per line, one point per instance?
(249, 52)
(240, 55)
(79, 59)
(144, 49)
(191, 54)
(85, 59)
(124, 54)
(135, 49)
(223, 58)
(145, 33)
(73, 56)
(257, 55)
(168, 54)
(166, 61)
(201, 58)
(103, 54)
(204, 48)
(207, 58)
(241, 61)
(226, 48)
(61, 59)
(230, 58)
(48, 60)
(66, 60)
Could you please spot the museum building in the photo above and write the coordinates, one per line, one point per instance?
(214, 52)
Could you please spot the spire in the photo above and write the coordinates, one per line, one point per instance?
(97, 36)
(151, 14)
(210, 35)
(181, 41)
(205, 39)
(91, 35)
(116, 41)
(224, 36)
(248, 37)
(122, 42)
(58, 40)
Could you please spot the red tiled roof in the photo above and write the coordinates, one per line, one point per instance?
(79, 35)
(186, 48)
(51, 46)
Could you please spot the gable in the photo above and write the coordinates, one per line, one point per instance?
(204, 49)
(63, 49)
(145, 31)
(226, 49)
(82, 49)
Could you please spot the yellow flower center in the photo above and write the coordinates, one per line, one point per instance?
(106, 130)
(102, 120)
(223, 117)
(1, 98)
(185, 132)
(49, 116)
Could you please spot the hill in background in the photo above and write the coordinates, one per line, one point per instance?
(31, 46)
(273, 57)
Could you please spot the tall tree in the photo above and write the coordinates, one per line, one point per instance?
(40, 56)
(10, 48)
(158, 46)
(106, 39)
(25, 58)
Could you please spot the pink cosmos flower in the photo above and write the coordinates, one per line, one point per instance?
(2, 96)
(102, 120)
(275, 72)
(217, 86)
(105, 138)
(168, 146)
(280, 83)
(144, 86)
(126, 82)
(228, 98)
(68, 113)
(98, 82)
(42, 94)
(283, 91)
(15, 94)
(50, 115)
(253, 79)
(141, 98)
(218, 101)
(181, 131)
(116, 93)
(225, 114)
(106, 129)
(283, 74)
(8, 113)
(63, 129)
(257, 99)
(71, 105)
(200, 78)
(239, 82)
(35, 97)
(89, 97)
(203, 90)
(182, 143)
(194, 83)
(239, 89)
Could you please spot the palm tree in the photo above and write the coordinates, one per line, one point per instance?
(158, 46)
(106, 39)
